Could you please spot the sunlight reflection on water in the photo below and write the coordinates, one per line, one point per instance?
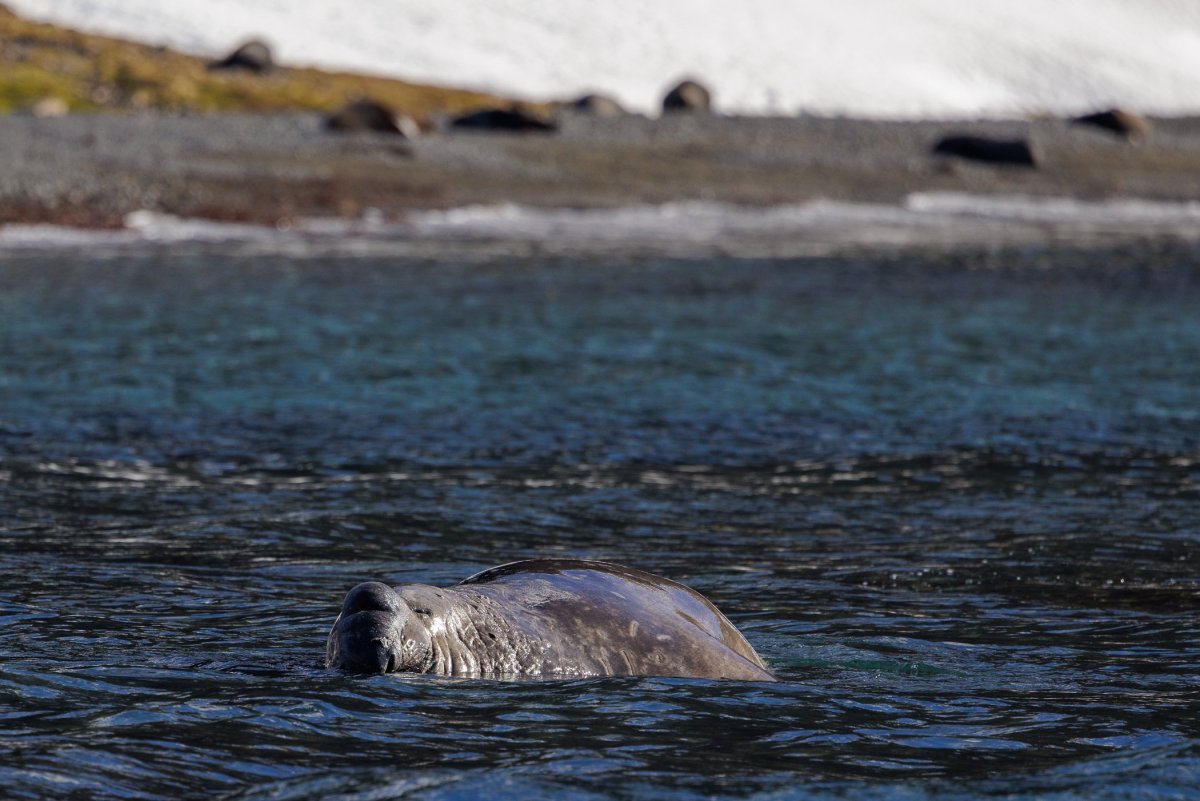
(953, 508)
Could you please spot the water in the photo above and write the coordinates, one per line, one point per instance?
(951, 499)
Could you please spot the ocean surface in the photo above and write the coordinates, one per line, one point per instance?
(952, 498)
(864, 58)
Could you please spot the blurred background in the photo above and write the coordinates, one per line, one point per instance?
(917, 58)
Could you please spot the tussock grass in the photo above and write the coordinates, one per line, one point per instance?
(98, 73)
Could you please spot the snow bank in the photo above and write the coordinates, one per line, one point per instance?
(879, 58)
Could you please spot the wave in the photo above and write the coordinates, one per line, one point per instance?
(684, 228)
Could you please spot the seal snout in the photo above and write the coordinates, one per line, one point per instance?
(364, 644)
(374, 657)
(367, 637)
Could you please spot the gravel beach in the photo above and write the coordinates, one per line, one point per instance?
(92, 170)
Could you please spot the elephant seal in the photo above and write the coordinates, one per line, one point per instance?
(688, 95)
(541, 618)
(252, 56)
(597, 106)
(1117, 121)
(513, 118)
(1014, 152)
(369, 115)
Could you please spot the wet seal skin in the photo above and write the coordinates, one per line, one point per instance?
(541, 618)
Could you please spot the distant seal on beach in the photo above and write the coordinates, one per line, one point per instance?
(1015, 152)
(1116, 121)
(253, 56)
(543, 618)
(598, 106)
(369, 115)
(514, 118)
(687, 95)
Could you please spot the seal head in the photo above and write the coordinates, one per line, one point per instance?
(378, 632)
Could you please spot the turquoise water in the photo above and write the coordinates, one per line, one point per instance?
(952, 500)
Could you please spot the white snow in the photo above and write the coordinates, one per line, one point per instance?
(880, 58)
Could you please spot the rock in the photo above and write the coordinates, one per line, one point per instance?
(1015, 152)
(688, 96)
(598, 106)
(368, 115)
(503, 119)
(1116, 121)
(253, 56)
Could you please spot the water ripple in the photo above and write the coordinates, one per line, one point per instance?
(951, 502)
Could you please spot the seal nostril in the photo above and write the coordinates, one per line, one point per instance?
(380, 657)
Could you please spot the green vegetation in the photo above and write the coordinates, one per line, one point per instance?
(96, 73)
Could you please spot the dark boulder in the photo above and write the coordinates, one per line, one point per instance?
(503, 119)
(368, 115)
(253, 56)
(688, 96)
(1015, 152)
(1116, 121)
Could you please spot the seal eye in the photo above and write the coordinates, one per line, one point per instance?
(423, 611)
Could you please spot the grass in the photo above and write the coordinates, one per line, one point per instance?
(98, 73)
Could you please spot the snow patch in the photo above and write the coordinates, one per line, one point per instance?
(874, 58)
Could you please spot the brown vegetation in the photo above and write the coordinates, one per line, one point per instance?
(95, 73)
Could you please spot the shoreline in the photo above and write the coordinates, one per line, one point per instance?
(93, 171)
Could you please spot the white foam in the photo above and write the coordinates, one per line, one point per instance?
(153, 226)
(688, 228)
(141, 229)
(922, 218)
(1126, 211)
(690, 221)
(883, 58)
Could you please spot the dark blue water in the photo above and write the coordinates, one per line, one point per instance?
(954, 501)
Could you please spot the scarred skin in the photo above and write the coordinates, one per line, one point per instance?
(544, 618)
